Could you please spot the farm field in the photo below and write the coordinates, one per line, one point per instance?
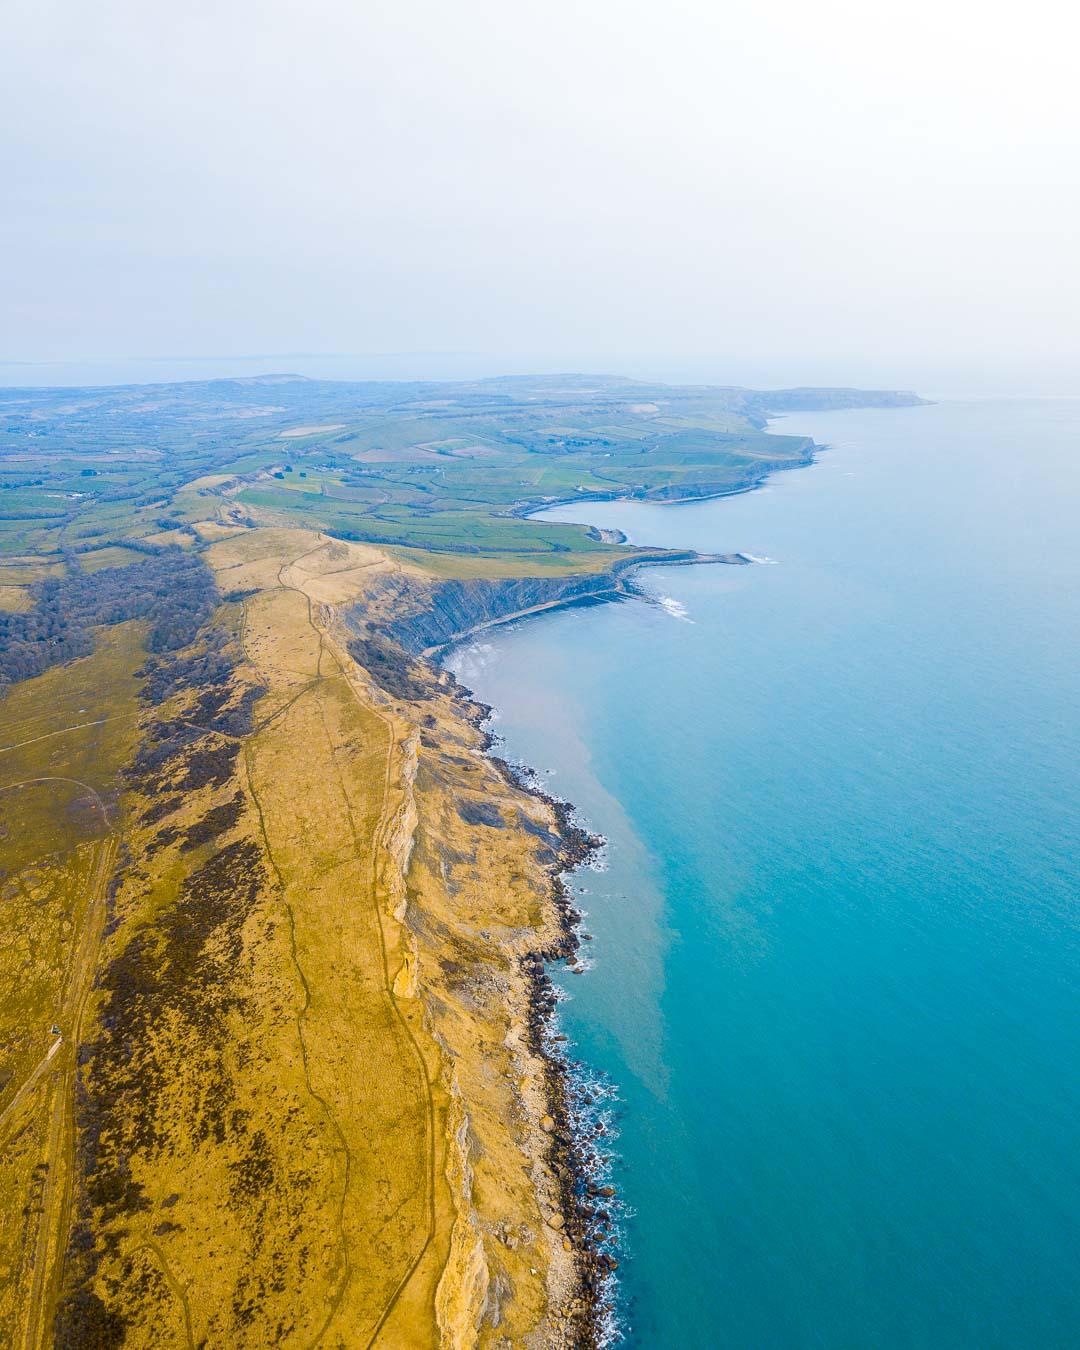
(446, 468)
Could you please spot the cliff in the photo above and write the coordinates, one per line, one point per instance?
(455, 608)
(438, 613)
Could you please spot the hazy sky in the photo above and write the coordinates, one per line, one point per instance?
(765, 191)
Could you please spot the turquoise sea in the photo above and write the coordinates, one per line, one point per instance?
(835, 968)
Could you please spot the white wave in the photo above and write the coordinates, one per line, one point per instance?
(763, 559)
(466, 662)
(674, 607)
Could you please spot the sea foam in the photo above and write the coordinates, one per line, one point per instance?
(674, 607)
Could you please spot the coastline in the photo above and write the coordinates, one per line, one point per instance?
(460, 861)
(533, 509)
(311, 738)
(622, 588)
(587, 1198)
(622, 569)
(569, 665)
(583, 1192)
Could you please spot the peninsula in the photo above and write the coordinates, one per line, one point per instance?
(276, 1063)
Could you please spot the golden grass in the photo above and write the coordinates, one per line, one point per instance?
(175, 538)
(115, 555)
(461, 566)
(14, 599)
(209, 531)
(209, 482)
(308, 1110)
(279, 1131)
(323, 813)
(294, 432)
(63, 739)
(24, 571)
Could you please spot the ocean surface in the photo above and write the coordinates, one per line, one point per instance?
(835, 969)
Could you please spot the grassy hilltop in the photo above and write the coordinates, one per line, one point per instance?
(270, 1065)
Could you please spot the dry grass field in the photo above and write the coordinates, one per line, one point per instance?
(245, 882)
(63, 740)
(15, 599)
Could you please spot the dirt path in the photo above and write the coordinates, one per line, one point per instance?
(382, 840)
(48, 735)
(54, 1221)
(30, 1083)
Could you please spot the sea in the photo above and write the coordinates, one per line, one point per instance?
(831, 1001)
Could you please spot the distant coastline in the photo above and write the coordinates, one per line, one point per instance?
(497, 601)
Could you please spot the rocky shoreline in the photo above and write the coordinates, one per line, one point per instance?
(588, 1205)
(584, 1217)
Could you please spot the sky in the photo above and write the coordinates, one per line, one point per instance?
(764, 192)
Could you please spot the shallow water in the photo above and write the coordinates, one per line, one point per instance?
(835, 947)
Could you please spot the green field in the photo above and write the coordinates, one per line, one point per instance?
(438, 468)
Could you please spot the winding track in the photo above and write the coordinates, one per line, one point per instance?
(178, 1290)
(48, 735)
(55, 1215)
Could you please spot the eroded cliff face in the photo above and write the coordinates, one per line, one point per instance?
(450, 609)
(422, 615)
(478, 904)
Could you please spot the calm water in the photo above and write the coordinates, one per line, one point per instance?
(836, 957)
